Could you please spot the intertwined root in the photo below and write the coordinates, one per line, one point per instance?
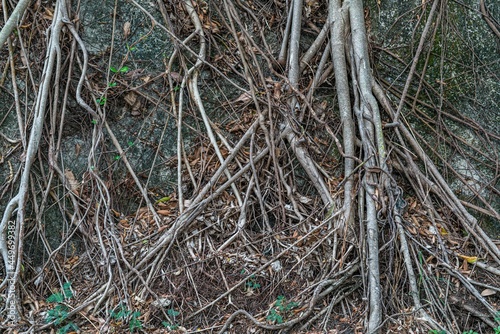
(267, 227)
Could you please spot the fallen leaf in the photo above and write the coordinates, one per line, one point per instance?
(488, 292)
(131, 98)
(126, 29)
(73, 183)
(470, 259)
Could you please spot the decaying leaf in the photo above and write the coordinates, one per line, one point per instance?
(126, 29)
(488, 292)
(469, 259)
(164, 212)
(72, 183)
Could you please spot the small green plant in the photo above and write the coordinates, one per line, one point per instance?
(101, 101)
(122, 313)
(281, 308)
(252, 283)
(170, 326)
(112, 84)
(171, 313)
(497, 319)
(117, 157)
(94, 121)
(274, 317)
(59, 313)
(123, 69)
(176, 88)
(135, 323)
(131, 48)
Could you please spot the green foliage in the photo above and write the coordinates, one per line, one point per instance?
(280, 309)
(497, 319)
(135, 323)
(112, 84)
(436, 331)
(274, 317)
(171, 313)
(252, 283)
(170, 326)
(131, 48)
(101, 101)
(60, 313)
(123, 69)
(121, 313)
(470, 332)
(55, 298)
(283, 306)
(57, 315)
(67, 290)
(71, 327)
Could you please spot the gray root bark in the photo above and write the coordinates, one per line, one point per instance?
(13, 20)
(337, 19)
(370, 128)
(12, 252)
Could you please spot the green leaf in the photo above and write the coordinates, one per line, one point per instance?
(71, 327)
(173, 313)
(163, 199)
(67, 290)
(274, 317)
(120, 313)
(170, 326)
(57, 315)
(124, 69)
(112, 84)
(113, 69)
(55, 298)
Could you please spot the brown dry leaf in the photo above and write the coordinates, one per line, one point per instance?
(78, 148)
(212, 26)
(124, 223)
(488, 292)
(176, 76)
(131, 98)
(73, 184)
(48, 15)
(164, 212)
(126, 29)
(277, 91)
(245, 97)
